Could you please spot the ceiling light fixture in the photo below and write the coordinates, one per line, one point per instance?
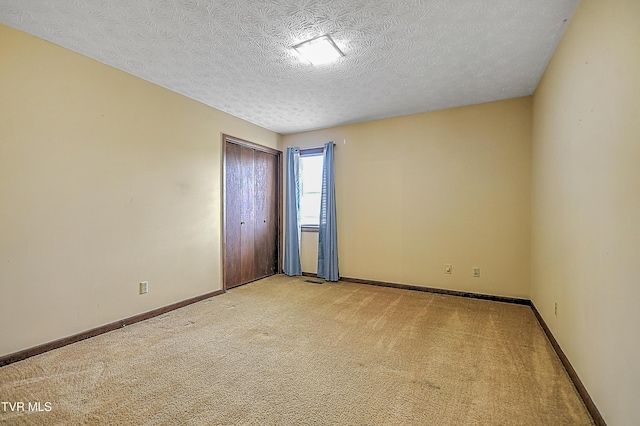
(319, 50)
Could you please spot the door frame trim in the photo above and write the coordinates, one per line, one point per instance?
(226, 139)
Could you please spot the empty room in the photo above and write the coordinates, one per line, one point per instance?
(290, 212)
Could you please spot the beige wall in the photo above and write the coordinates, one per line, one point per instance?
(105, 180)
(586, 202)
(415, 193)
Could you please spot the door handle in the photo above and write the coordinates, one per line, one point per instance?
(241, 223)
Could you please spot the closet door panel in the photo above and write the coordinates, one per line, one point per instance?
(247, 223)
(233, 216)
(251, 212)
(266, 219)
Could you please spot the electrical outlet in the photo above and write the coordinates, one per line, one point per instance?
(555, 309)
(447, 269)
(144, 287)
(476, 272)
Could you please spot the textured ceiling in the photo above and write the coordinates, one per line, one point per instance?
(402, 56)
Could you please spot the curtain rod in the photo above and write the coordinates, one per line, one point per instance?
(318, 147)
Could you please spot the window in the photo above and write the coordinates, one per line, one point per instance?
(310, 188)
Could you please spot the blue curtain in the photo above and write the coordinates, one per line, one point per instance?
(328, 237)
(292, 214)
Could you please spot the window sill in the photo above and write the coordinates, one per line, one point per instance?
(310, 228)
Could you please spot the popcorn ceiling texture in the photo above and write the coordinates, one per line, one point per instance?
(402, 57)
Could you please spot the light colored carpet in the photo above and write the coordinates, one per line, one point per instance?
(281, 351)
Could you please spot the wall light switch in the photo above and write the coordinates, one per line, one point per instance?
(447, 269)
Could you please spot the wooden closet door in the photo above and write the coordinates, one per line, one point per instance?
(251, 211)
(266, 214)
(247, 223)
(233, 215)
